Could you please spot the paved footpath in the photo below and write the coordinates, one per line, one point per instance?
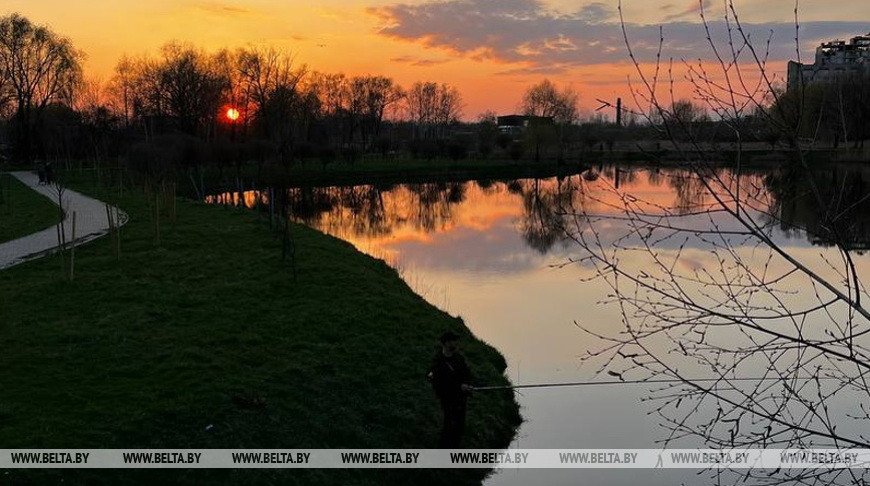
(91, 223)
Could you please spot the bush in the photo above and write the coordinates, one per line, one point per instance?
(516, 150)
(457, 150)
(326, 155)
(305, 151)
(424, 149)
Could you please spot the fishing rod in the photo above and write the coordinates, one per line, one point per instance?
(635, 382)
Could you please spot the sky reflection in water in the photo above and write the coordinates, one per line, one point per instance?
(493, 252)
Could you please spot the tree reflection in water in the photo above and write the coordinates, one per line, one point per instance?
(707, 289)
(847, 191)
(709, 300)
(782, 196)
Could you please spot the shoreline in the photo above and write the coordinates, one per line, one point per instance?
(150, 350)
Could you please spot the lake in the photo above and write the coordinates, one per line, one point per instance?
(504, 256)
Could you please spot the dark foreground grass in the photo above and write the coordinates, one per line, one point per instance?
(23, 210)
(149, 351)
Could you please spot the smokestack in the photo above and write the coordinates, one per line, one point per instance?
(619, 112)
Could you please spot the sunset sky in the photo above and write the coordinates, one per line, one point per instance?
(490, 49)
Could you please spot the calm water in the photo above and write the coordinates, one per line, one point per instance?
(494, 252)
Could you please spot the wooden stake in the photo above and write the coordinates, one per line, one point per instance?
(60, 248)
(271, 208)
(118, 232)
(157, 218)
(72, 256)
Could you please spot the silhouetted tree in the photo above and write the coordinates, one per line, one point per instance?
(487, 133)
(372, 96)
(192, 85)
(271, 80)
(432, 107)
(545, 100)
(38, 67)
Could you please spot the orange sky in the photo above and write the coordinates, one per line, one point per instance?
(342, 36)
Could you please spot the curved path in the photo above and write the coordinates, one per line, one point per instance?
(91, 223)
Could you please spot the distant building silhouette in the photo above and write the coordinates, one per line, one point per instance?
(834, 60)
(517, 124)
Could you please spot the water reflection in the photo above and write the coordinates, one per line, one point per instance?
(495, 247)
(787, 199)
(843, 215)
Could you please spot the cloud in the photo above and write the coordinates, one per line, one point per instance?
(221, 8)
(414, 61)
(692, 9)
(596, 12)
(534, 71)
(535, 38)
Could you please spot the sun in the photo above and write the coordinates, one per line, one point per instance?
(232, 114)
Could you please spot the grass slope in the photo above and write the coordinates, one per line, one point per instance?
(149, 351)
(23, 210)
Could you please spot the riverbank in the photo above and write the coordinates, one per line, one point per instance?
(382, 171)
(207, 340)
(447, 172)
(22, 210)
(375, 170)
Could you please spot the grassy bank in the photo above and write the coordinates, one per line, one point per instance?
(150, 350)
(373, 171)
(23, 210)
(385, 171)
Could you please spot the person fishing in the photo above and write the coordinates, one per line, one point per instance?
(451, 380)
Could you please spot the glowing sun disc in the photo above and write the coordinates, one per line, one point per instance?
(233, 114)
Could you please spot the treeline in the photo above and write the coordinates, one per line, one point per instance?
(254, 99)
(185, 107)
(38, 69)
(263, 93)
(836, 111)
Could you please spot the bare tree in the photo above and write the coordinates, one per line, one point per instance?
(143, 88)
(330, 89)
(545, 101)
(449, 105)
(7, 93)
(770, 347)
(487, 132)
(121, 88)
(333, 97)
(192, 86)
(686, 111)
(432, 107)
(271, 81)
(375, 94)
(40, 68)
(422, 103)
(98, 116)
(90, 95)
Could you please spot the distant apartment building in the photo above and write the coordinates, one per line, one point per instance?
(834, 60)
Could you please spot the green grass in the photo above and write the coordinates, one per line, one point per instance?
(148, 351)
(23, 210)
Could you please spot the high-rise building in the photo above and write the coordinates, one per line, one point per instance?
(834, 60)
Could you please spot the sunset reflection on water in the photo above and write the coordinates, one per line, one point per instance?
(494, 252)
